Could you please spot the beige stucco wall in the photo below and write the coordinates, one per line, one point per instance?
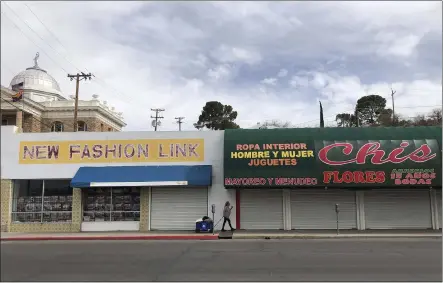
(144, 209)
(6, 204)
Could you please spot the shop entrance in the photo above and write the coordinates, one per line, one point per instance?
(398, 209)
(261, 209)
(315, 209)
(111, 209)
(177, 208)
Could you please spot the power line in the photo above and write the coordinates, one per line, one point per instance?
(32, 116)
(179, 122)
(156, 122)
(47, 28)
(41, 49)
(41, 38)
(97, 79)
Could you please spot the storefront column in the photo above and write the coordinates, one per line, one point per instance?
(144, 209)
(360, 203)
(6, 204)
(77, 210)
(287, 210)
(434, 209)
(19, 120)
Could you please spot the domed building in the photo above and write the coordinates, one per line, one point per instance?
(43, 108)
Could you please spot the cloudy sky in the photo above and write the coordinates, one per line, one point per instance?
(269, 60)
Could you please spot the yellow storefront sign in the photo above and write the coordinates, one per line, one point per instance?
(112, 151)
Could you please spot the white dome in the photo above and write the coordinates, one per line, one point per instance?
(35, 78)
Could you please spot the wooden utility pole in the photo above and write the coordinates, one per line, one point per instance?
(393, 108)
(155, 122)
(78, 77)
(179, 122)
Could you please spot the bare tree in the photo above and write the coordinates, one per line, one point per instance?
(274, 124)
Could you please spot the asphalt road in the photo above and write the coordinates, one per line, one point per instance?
(235, 260)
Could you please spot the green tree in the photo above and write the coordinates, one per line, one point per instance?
(346, 120)
(216, 116)
(369, 108)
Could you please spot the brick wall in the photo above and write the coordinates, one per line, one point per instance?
(31, 125)
(93, 124)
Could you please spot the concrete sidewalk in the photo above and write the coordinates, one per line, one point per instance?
(325, 234)
(238, 234)
(170, 235)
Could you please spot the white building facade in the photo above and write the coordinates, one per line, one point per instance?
(113, 181)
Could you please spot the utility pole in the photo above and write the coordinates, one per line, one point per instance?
(78, 77)
(393, 109)
(179, 122)
(156, 117)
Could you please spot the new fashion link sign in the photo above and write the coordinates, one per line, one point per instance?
(112, 151)
(332, 163)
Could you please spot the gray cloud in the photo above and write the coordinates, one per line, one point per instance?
(178, 55)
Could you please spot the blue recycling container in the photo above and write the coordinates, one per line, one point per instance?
(204, 226)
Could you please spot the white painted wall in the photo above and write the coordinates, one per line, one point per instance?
(214, 142)
(110, 226)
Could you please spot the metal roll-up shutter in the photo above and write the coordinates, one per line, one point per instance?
(177, 208)
(315, 209)
(439, 196)
(261, 209)
(398, 209)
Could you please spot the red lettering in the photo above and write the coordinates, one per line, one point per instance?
(370, 177)
(348, 177)
(337, 179)
(425, 152)
(357, 177)
(327, 176)
(421, 154)
(380, 177)
(347, 149)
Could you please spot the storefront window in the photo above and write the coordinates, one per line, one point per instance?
(42, 201)
(111, 204)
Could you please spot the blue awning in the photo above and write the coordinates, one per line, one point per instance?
(138, 176)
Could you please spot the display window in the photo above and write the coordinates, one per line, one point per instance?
(111, 204)
(42, 201)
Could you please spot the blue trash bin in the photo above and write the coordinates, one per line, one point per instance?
(206, 225)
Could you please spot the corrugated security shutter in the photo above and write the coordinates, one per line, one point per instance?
(398, 209)
(439, 196)
(261, 209)
(315, 209)
(177, 208)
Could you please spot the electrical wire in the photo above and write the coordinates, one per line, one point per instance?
(47, 28)
(41, 49)
(35, 118)
(41, 38)
(97, 79)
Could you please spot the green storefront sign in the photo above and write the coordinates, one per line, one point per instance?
(333, 157)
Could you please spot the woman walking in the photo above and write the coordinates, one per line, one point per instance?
(227, 215)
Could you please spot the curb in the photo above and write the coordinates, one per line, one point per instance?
(268, 237)
(123, 238)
